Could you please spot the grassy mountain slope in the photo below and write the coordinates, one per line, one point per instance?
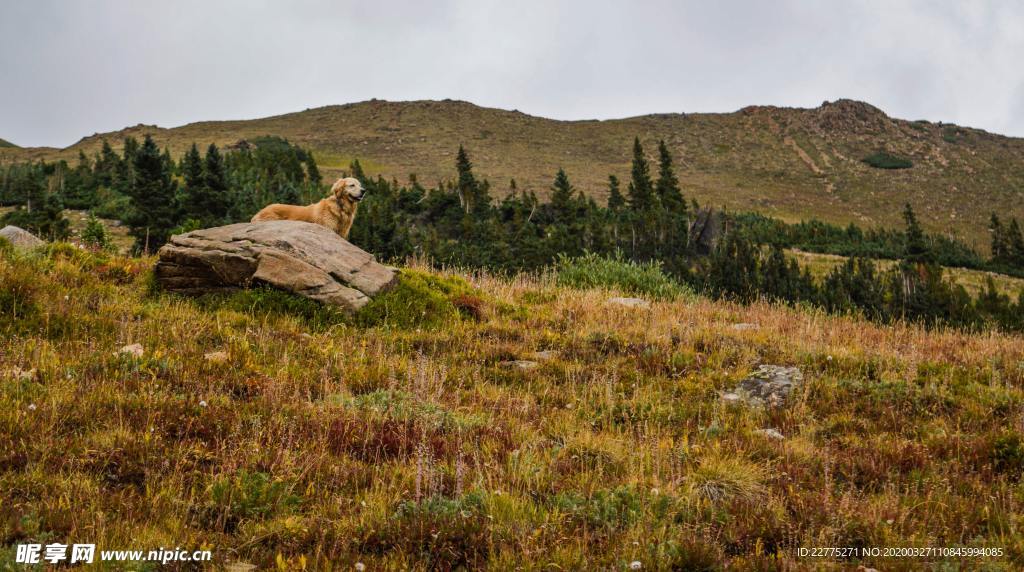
(4, 144)
(786, 162)
(266, 433)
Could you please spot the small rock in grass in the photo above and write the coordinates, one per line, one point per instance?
(544, 355)
(134, 350)
(520, 364)
(216, 357)
(630, 302)
(771, 433)
(769, 385)
(742, 326)
(22, 375)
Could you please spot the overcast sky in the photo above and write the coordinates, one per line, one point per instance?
(70, 68)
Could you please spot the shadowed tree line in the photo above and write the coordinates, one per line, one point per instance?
(458, 222)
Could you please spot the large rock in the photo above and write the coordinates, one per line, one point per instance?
(299, 257)
(769, 385)
(705, 230)
(20, 238)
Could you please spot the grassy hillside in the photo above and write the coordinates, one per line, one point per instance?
(972, 280)
(269, 431)
(7, 144)
(790, 163)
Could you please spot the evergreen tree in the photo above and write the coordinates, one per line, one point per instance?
(673, 220)
(40, 211)
(667, 186)
(153, 211)
(216, 200)
(643, 218)
(95, 235)
(616, 202)
(1000, 244)
(916, 247)
(312, 171)
(562, 203)
(193, 199)
(641, 191)
(1015, 240)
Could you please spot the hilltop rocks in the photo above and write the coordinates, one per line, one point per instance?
(299, 257)
(769, 385)
(20, 238)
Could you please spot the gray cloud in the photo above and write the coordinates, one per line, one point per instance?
(72, 68)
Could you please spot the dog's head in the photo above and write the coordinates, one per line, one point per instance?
(348, 188)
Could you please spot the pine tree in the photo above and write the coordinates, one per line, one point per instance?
(916, 249)
(667, 187)
(1000, 244)
(641, 191)
(213, 169)
(357, 171)
(216, 199)
(194, 192)
(153, 211)
(616, 202)
(474, 196)
(673, 220)
(1015, 250)
(312, 171)
(562, 204)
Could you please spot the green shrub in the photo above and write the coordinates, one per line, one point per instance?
(420, 300)
(884, 160)
(1008, 454)
(247, 495)
(593, 271)
(95, 234)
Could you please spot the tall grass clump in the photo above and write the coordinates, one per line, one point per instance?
(638, 278)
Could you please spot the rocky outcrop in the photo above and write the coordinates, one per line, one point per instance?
(705, 230)
(300, 257)
(20, 238)
(769, 385)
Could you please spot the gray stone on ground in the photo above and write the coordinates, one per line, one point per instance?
(300, 257)
(544, 355)
(630, 302)
(771, 433)
(520, 364)
(769, 385)
(742, 326)
(20, 238)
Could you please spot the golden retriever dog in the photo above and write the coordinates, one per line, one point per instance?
(335, 212)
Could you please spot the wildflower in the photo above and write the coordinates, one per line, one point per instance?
(31, 406)
(202, 403)
(635, 565)
(360, 566)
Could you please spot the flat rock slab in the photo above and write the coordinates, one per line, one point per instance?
(20, 238)
(299, 257)
(769, 385)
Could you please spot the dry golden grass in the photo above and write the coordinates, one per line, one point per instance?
(320, 442)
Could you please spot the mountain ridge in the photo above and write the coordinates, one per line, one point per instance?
(788, 162)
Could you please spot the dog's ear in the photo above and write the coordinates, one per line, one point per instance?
(338, 188)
